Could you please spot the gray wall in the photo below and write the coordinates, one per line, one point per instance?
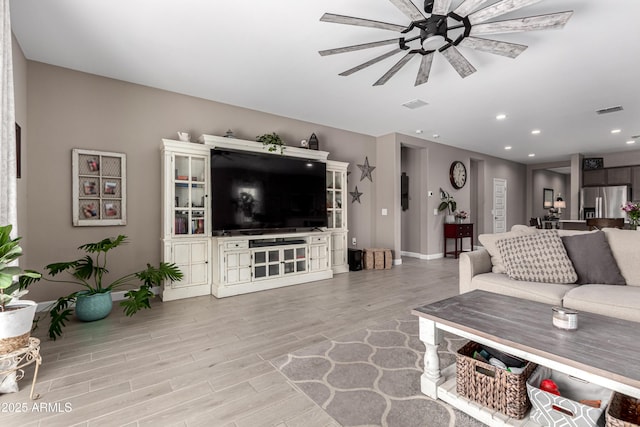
(436, 160)
(69, 109)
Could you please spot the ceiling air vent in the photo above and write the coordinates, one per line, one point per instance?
(416, 103)
(609, 110)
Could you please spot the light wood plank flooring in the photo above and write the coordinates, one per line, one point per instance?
(205, 361)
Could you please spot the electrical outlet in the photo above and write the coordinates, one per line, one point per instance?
(353, 241)
(435, 211)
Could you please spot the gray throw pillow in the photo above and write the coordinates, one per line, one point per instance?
(539, 257)
(593, 260)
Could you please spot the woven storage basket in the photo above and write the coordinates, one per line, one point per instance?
(623, 411)
(493, 387)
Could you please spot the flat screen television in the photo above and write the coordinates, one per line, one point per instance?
(255, 193)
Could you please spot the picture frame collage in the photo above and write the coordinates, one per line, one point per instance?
(99, 188)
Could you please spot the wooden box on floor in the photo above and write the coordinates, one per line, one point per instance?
(377, 259)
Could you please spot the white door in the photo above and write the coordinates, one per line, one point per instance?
(499, 205)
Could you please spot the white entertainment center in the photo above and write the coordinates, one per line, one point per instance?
(232, 264)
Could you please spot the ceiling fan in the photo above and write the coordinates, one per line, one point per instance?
(442, 30)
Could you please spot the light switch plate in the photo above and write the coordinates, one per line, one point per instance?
(385, 211)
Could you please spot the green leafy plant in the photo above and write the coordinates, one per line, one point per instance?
(273, 141)
(90, 272)
(10, 250)
(447, 202)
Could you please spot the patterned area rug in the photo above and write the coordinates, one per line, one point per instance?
(372, 377)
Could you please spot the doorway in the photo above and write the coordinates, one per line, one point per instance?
(499, 205)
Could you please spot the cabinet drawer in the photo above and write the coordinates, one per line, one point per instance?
(241, 244)
(318, 239)
(465, 230)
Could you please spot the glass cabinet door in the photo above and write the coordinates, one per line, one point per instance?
(335, 184)
(190, 195)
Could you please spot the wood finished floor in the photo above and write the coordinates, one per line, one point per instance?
(205, 361)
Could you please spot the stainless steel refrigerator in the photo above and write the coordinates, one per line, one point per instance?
(604, 202)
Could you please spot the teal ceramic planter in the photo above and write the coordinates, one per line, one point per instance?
(93, 306)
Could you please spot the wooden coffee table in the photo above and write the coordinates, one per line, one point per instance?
(603, 350)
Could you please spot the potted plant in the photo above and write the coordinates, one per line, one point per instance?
(447, 202)
(16, 316)
(272, 140)
(93, 301)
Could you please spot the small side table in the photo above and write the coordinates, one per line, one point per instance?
(24, 357)
(457, 232)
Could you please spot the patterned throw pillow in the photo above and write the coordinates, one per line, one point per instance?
(539, 257)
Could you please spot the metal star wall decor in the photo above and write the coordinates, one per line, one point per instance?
(366, 170)
(355, 195)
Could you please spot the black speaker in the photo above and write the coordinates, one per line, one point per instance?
(355, 259)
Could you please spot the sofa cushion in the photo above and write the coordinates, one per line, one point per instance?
(488, 241)
(624, 246)
(547, 293)
(616, 301)
(592, 259)
(539, 257)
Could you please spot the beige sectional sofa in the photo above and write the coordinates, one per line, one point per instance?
(483, 269)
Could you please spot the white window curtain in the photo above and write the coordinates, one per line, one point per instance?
(8, 190)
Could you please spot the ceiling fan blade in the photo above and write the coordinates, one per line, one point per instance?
(441, 7)
(511, 50)
(468, 6)
(360, 22)
(425, 69)
(408, 8)
(392, 72)
(531, 23)
(458, 62)
(357, 47)
(370, 62)
(497, 9)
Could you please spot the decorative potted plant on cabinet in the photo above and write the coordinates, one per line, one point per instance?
(93, 301)
(447, 202)
(273, 141)
(16, 316)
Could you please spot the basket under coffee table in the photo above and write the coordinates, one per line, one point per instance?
(604, 350)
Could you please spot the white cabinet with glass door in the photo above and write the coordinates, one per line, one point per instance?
(337, 214)
(185, 217)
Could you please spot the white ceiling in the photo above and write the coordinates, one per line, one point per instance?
(263, 55)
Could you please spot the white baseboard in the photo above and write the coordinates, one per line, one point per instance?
(397, 261)
(421, 256)
(115, 296)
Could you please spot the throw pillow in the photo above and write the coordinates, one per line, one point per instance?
(488, 241)
(624, 247)
(539, 257)
(592, 259)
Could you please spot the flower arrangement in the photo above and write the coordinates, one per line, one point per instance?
(462, 215)
(633, 212)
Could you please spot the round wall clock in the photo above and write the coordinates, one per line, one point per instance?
(458, 174)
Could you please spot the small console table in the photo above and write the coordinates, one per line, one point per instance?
(457, 232)
(23, 357)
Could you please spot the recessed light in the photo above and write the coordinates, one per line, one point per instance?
(631, 141)
(501, 116)
(616, 131)
(532, 155)
(508, 147)
(419, 131)
(535, 132)
(435, 135)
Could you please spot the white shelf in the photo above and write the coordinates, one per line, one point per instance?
(447, 393)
